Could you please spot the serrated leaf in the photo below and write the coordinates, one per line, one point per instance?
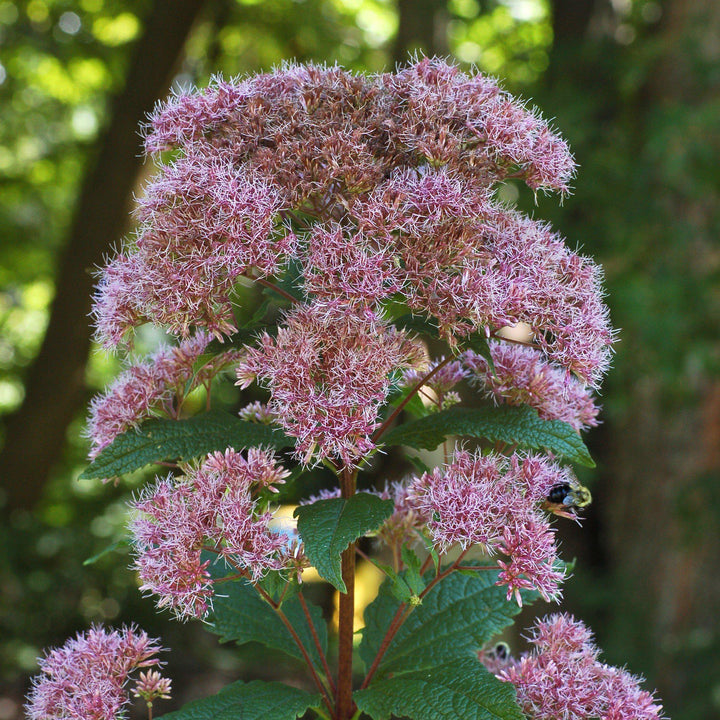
(327, 527)
(162, 439)
(412, 574)
(417, 324)
(461, 688)
(513, 425)
(477, 342)
(399, 588)
(256, 700)
(107, 551)
(457, 618)
(240, 615)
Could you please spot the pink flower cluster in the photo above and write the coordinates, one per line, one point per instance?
(473, 264)
(562, 678)
(204, 223)
(376, 185)
(523, 377)
(157, 384)
(216, 506)
(86, 678)
(441, 381)
(328, 373)
(495, 502)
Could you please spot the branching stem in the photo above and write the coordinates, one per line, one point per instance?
(402, 614)
(408, 398)
(316, 640)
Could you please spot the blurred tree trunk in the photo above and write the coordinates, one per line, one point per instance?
(422, 26)
(35, 434)
(658, 533)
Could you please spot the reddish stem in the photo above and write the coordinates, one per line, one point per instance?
(316, 679)
(402, 614)
(278, 290)
(316, 640)
(409, 397)
(345, 707)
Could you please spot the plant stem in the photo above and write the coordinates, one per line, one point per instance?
(316, 679)
(344, 705)
(402, 614)
(278, 290)
(409, 397)
(316, 640)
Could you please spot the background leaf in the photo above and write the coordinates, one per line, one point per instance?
(162, 439)
(327, 527)
(513, 425)
(256, 700)
(459, 616)
(461, 688)
(241, 615)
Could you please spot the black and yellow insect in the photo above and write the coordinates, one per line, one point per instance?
(566, 499)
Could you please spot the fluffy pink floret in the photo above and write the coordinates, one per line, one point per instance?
(204, 223)
(328, 374)
(148, 387)
(215, 505)
(561, 678)
(494, 501)
(476, 266)
(351, 265)
(523, 377)
(85, 678)
(469, 123)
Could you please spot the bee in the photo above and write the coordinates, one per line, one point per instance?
(501, 651)
(566, 500)
(496, 657)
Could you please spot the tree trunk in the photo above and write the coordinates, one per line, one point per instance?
(422, 26)
(35, 433)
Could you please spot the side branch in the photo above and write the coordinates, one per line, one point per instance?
(316, 640)
(402, 614)
(316, 678)
(408, 398)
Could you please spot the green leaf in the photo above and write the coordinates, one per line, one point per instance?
(461, 688)
(107, 551)
(255, 700)
(459, 616)
(398, 586)
(240, 615)
(162, 439)
(417, 324)
(412, 575)
(327, 527)
(509, 424)
(477, 342)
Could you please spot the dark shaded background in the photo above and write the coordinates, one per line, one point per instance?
(634, 85)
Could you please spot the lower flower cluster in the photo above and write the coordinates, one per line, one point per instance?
(87, 677)
(215, 506)
(561, 678)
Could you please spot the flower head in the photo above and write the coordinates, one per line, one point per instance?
(153, 385)
(522, 376)
(561, 678)
(86, 677)
(377, 185)
(215, 505)
(328, 372)
(495, 502)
